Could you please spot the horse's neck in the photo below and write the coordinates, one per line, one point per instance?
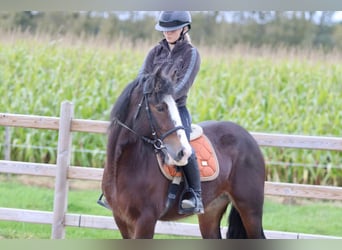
(136, 156)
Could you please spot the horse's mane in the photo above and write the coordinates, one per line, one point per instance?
(119, 111)
(120, 108)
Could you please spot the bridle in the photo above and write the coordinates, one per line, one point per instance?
(157, 143)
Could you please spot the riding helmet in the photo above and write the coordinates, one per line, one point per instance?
(173, 20)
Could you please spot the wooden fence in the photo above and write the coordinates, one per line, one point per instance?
(62, 171)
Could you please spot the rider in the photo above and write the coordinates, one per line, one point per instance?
(176, 51)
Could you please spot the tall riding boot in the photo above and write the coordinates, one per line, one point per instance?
(193, 204)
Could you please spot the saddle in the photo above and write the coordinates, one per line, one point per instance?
(206, 157)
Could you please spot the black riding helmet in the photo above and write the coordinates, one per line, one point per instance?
(173, 20)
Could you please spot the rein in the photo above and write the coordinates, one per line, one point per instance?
(156, 142)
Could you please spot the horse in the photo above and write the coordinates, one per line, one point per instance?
(144, 122)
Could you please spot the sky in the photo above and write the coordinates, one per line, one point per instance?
(338, 16)
(125, 14)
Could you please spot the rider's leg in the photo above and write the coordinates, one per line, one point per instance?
(194, 203)
(191, 170)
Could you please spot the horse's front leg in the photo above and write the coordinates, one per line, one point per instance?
(141, 227)
(123, 227)
(145, 226)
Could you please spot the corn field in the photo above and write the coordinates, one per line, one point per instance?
(271, 90)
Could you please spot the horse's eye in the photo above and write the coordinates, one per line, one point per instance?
(160, 108)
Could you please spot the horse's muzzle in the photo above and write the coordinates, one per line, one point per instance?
(178, 158)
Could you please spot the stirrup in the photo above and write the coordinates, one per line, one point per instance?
(103, 203)
(196, 209)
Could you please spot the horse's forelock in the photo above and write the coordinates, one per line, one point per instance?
(162, 86)
(163, 78)
(156, 85)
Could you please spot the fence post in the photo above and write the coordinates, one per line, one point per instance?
(7, 149)
(63, 163)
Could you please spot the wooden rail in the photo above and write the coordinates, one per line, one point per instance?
(62, 172)
(95, 174)
(106, 222)
(92, 126)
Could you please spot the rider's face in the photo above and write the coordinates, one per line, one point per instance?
(172, 36)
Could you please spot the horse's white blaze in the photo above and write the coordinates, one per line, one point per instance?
(187, 150)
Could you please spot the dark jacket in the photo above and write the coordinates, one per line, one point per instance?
(183, 58)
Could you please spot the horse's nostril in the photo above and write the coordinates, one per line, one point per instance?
(180, 154)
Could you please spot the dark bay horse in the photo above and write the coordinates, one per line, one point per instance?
(145, 121)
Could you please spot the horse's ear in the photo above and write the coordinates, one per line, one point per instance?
(158, 72)
(173, 74)
(147, 84)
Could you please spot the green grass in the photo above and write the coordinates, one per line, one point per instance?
(311, 217)
(314, 217)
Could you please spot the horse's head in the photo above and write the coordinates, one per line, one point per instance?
(162, 117)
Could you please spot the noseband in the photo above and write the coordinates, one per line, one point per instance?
(156, 142)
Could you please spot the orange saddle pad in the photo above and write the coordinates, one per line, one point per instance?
(206, 158)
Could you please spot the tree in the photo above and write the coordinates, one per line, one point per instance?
(337, 36)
